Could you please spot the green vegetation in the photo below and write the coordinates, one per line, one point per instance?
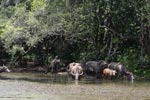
(76, 30)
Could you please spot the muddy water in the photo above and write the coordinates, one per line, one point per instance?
(38, 86)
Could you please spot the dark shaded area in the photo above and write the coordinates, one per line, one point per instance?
(43, 79)
(33, 33)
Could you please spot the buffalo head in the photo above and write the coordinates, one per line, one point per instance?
(75, 69)
(130, 76)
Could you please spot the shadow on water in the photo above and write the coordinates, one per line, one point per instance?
(36, 77)
(47, 78)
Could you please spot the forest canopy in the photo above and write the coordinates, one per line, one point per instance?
(76, 30)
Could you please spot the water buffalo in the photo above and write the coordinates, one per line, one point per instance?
(108, 73)
(95, 68)
(4, 69)
(54, 66)
(121, 70)
(76, 70)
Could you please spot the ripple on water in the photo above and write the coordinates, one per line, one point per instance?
(38, 86)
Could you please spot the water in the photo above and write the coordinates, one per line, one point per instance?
(39, 86)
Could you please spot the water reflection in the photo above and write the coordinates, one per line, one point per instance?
(55, 78)
(35, 77)
(39, 86)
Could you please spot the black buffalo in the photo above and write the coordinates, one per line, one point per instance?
(121, 70)
(95, 68)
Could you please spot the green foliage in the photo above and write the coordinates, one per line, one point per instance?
(77, 30)
(38, 5)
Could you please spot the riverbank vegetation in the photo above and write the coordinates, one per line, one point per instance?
(76, 30)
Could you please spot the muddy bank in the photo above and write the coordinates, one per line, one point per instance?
(37, 69)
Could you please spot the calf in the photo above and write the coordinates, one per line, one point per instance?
(108, 73)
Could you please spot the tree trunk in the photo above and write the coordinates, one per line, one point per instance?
(146, 39)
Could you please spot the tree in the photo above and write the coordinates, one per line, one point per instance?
(78, 30)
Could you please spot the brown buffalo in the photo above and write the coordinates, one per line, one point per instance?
(108, 73)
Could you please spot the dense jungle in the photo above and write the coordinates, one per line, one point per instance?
(33, 32)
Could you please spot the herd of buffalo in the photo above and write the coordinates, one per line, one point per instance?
(98, 69)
